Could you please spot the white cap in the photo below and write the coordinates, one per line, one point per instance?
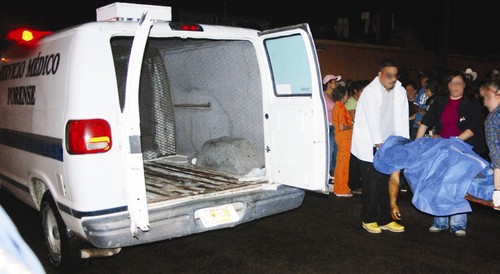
(330, 77)
(472, 73)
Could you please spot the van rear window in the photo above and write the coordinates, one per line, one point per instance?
(290, 65)
(155, 100)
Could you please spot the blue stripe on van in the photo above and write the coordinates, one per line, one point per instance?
(80, 214)
(42, 145)
(67, 209)
(14, 183)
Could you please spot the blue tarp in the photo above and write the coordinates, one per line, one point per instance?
(15, 255)
(439, 171)
(482, 185)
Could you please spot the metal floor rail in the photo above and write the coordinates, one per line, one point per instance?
(166, 180)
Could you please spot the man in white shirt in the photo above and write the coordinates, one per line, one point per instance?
(382, 111)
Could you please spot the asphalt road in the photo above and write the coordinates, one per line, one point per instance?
(324, 235)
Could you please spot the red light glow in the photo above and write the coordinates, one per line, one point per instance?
(24, 36)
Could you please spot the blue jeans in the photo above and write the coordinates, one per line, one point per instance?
(333, 150)
(457, 222)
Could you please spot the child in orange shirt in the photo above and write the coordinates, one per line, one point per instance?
(342, 122)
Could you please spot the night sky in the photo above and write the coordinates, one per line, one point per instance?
(474, 25)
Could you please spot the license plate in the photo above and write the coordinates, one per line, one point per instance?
(218, 215)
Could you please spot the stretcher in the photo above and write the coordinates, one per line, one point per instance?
(480, 201)
(481, 189)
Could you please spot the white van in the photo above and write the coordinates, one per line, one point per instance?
(101, 126)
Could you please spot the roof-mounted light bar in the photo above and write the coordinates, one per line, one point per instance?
(133, 12)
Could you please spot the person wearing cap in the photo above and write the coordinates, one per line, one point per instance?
(490, 90)
(382, 111)
(471, 77)
(330, 82)
(470, 74)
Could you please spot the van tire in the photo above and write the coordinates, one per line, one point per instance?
(63, 247)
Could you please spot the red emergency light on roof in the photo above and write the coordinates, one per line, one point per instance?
(25, 36)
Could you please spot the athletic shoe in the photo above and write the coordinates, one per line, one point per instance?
(358, 191)
(372, 227)
(460, 233)
(393, 227)
(435, 229)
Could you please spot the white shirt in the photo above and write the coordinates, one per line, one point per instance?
(379, 114)
(387, 114)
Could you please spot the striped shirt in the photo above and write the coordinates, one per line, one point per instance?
(492, 130)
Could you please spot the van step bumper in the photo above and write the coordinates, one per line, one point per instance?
(171, 221)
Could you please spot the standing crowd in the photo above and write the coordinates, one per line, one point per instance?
(363, 115)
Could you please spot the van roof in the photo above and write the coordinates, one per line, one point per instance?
(129, 28)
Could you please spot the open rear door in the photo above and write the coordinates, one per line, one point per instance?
(132, 152)
(295, 114)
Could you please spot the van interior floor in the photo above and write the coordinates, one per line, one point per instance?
(167, 179)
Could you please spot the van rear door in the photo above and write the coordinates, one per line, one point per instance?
(295, 116)
(131, 133)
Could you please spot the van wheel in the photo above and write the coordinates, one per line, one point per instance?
(62, 245)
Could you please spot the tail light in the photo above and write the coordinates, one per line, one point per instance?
(88, 136)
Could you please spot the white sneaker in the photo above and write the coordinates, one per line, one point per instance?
(434, 229)
(460, 233)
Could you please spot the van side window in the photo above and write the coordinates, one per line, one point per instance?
(290, 65)
(155, 99)
(121, 50)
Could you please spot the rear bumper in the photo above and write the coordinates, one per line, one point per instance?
(171, 221)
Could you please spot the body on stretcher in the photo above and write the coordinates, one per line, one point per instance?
(443, 174)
